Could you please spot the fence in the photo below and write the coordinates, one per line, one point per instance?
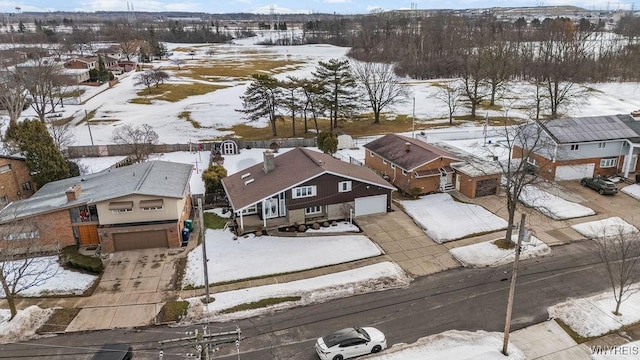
(125, 150)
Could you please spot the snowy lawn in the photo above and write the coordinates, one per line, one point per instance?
(488, 254)
(63, 282)
(604, 228)
(453, 344)
(551, 205)
(444, 219)
(593, 316)
(24, 325)
(369, 278)
(250, 256)
(632, 190)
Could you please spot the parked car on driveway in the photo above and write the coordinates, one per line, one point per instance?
(601, 185)
(350, 342)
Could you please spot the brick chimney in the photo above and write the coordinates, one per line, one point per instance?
(407, 147)
(269, 161)
(73, 193)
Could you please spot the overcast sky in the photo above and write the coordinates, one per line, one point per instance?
(289, 6)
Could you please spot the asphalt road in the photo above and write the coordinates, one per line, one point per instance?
(462, 299)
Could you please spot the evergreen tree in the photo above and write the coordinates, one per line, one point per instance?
(103, 73)
(43, 159)
(21, 27)
(339, 85)
(212, 178)
(328, 142)
(260, 99)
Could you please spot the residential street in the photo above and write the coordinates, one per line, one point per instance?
(463, 299)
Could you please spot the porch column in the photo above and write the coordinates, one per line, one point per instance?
(627, 160)
(241, 223)
(264, 214)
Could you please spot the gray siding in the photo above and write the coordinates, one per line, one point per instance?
(592, 150)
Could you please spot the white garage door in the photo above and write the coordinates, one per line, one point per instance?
(573, 172)
(371, 205)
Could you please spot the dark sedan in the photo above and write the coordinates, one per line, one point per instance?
(601, 185)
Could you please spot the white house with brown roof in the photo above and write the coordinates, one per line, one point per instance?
(302, 185)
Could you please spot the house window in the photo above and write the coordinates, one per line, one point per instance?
(532, 161)
(250, 210)
(313, 210)
(151, 205)
(5, 168)
(344, 186)
(23, 235)
(118, 207)
(26, 186)
(608, 163)
(601, 145)
(303, 191)
(575, 147)
(121, 211)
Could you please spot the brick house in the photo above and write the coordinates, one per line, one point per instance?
(82, 63)
(584, 147)
(15, 180)
(411, 164)
(132, 207)
(301, 186)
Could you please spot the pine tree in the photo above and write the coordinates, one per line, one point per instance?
(21, 27)
(339, 85)
(103, 73)
(43, 159)
(212, 178)
(260, 99)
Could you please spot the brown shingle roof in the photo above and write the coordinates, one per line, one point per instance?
(291, 168)
(392, 147)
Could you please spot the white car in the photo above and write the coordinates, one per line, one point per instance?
(351, 342)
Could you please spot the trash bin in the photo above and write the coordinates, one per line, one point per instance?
(637, 178)
(185, 236)
(188, 224)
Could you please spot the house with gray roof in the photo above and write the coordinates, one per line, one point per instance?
(585, 147)
(302, 186)
(132, 207)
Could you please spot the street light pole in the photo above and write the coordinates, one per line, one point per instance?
(512, 287)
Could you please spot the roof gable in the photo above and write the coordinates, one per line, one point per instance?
(292, 168)
(393, 147)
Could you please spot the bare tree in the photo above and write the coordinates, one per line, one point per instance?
(12, 94)
(381, 85)
(145, 79)
(139, 140)
(178, 63)
(619, 250)
(20, 267)
(43, 83)
(450, 96)
(61, 133)
(159, 76)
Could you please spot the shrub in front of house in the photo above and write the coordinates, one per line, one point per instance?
(71, 258)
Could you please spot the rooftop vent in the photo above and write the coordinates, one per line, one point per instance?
(244, 176)
(249, 181)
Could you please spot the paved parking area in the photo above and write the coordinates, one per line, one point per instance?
(132, 290)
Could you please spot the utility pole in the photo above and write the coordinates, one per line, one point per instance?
(413, 118)
(86, 117)
(512, 287)
(204, 252)
(203, 341)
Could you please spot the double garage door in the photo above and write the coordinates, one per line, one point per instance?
(140, 240)
(371, 205)
(574, 172)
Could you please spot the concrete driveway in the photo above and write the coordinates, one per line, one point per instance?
(132, 290)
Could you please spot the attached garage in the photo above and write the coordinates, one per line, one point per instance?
(140, 240)
(574, 172)
(487, 187)
(371, 205)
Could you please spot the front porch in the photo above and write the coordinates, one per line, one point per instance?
(252, 223)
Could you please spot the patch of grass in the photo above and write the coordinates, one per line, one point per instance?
(485, 104)
(213, 221)
(90, 115)
(186, 115)
(261, 304)
(172, 311)
(574, 335)
(223, 69)
(173, 92)
(59, 320)
(73, 94)
(71, 258)
(178, 274)
(504, 244)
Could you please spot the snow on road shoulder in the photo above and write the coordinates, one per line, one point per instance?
(267, 255)
(632, 190)
(488, 254)
(24, 325)
(551, 205)
(453, 344)
(593, 316)
(377, 277)
(604, 228)
(444, 219)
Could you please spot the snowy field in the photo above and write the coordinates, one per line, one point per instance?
(488, 254)
(551, 205)
(270, 255)
(612, 226)
(632, 190)
(444, 219)
(62, 281)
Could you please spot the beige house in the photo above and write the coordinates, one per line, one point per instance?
(131, 207)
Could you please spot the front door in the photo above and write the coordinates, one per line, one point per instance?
(271, 208)
(88, 234)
